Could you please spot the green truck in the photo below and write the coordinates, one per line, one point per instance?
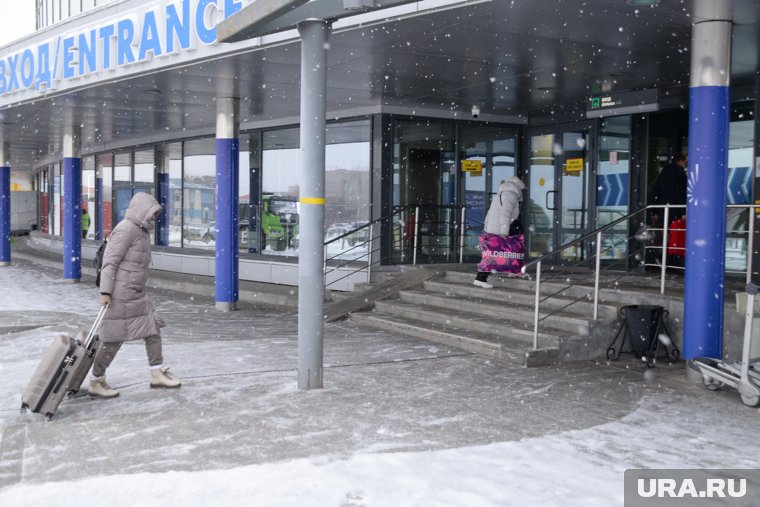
(279, 222)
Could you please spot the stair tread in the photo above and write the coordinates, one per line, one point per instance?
(501, 347)
(522, 330)
(522, 293)
(489, 305)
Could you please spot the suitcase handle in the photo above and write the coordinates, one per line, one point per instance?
(98, 320)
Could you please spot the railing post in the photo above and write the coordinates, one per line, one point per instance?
(324, 263)
(596, 272)
(538, 301)
(369, 254)
(416, 230)
(664, 258)
(461, 236)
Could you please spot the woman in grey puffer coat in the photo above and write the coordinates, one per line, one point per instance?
(130, 315)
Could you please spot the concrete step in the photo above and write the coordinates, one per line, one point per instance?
(497, 347)
(473, 322)
(485, 304)
(583, 307)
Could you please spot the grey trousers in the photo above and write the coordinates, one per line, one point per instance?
(107, 351)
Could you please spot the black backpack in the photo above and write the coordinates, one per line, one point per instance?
(98, 262)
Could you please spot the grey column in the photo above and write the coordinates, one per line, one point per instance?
(311, 286)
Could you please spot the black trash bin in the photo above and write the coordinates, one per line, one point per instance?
(643, 325)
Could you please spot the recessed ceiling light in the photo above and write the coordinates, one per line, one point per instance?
(643, 3)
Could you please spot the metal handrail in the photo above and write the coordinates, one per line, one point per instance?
(597, 236)
(402, 212)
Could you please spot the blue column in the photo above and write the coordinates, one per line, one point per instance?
(72, 219)
(227, 182)
(706, 199)
(5, 216)
(162, 196)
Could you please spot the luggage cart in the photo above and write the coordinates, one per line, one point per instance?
(744, 376)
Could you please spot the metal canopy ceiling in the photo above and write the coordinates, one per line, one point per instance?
(528, 58)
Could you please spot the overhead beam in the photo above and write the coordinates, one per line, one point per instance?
(263, 17)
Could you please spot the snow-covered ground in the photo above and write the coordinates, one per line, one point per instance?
(401, 422)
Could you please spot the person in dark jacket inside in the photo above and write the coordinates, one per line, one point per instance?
(670, 188)
(130, 314)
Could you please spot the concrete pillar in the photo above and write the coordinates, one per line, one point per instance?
(709, 114)
(72, 207)
(227, 183)
(5, 204)
(311, 285)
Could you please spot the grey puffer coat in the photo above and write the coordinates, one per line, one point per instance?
(125, 272)
(505, 208)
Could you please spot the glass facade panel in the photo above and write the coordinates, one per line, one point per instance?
(122, 185)
(44, 185)
(542, 188)
(424, 171)
(104, 166)
(199, 194)
(494, 148)
(173, 153)
(244, 196)
(88, 194)
(56, 207)
(347, 186)
(612, 187)
(280, 191)
(145, 168)
(739, 183)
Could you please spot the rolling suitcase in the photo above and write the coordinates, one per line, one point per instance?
(61, 371)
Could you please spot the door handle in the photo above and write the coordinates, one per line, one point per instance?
(553, 206)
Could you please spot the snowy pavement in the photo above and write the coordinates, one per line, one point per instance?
(400, 422)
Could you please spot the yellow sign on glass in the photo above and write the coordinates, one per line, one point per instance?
(474, 167)
(573, 166)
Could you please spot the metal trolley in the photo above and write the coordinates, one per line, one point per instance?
(744, 376)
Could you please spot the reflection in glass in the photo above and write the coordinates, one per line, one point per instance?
(173, 164)
(88, 193)
(541, 200)
(199, 194)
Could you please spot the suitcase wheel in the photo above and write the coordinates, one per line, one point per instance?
(24, 408)
(48, 417)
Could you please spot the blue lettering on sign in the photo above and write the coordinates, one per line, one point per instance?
(206, 35)
(27, 68)
(88, 53)
(12, 64)
(178, 26)
(128, 39)
(44, 77)
(149, 41)
(106, 33)
(69, 57)
(125, 35)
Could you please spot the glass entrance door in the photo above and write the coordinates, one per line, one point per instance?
(558, 191)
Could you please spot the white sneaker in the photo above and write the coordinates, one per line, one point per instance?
(161, 378)
(485, 285)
